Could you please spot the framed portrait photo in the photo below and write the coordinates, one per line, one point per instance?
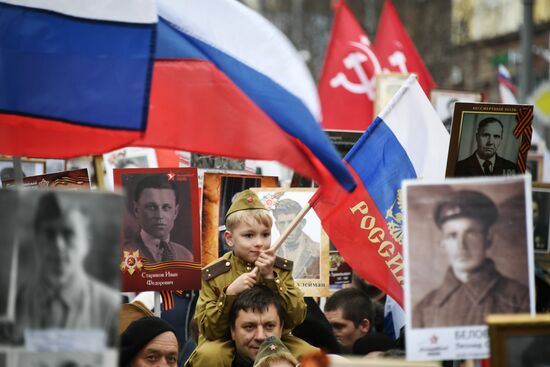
(489, 139)
(218, 192)
(474, 235)
(519, 340)
(127, 158)
(444, 102)
(161, 236)
(307, 246)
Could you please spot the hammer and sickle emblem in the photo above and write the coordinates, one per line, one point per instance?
(354, 61)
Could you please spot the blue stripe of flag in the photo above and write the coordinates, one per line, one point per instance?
(381, 163)
(95, 73)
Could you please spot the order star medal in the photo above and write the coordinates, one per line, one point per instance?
(131, 262)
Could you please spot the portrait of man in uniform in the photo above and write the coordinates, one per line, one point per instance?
(474, 279)
(155, 205)
(298, 246)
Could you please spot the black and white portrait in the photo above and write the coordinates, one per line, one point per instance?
(68, 267)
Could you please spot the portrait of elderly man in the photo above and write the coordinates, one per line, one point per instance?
(59, 293)
(485, 161)
(472, 286)
(298, 247)
(156, 204)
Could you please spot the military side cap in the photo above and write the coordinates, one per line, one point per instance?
(466, 204)
(272, 348)
(245, 200)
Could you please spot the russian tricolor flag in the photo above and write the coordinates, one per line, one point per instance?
(227, 82)
(406, 140)
(224, 81)
(75, 75)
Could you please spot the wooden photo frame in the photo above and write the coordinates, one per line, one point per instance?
(519, 340)
(218, 190)
(444, 101)
(535, 166)
(503, 148)
(386, 85)
(541, 218)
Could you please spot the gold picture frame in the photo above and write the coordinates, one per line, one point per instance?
(513, 336)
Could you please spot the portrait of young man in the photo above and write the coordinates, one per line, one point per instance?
(155, 204)
(476, 246)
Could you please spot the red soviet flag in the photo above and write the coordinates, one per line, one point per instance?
(346, 86)
(396, 50)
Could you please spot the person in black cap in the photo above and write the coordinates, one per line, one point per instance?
(148, 342)
(485, 161)
(472, 287)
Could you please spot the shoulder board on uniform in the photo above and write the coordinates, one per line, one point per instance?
(282, 263)
(212, 271)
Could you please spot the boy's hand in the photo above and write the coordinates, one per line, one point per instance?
(265, 263)
(242, 283)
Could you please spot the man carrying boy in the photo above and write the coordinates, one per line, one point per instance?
(251, 262)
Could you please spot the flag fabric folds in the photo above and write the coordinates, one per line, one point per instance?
(227, 82)
(396, 49)
(407, 140)
(348, 75)
(75, 75)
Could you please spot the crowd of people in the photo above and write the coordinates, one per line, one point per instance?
(251, 313)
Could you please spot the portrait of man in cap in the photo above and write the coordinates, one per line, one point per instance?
(301, 248)
(67, 282)
(472, 285)
(485, 160)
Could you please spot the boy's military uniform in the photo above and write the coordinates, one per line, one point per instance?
(215, 347)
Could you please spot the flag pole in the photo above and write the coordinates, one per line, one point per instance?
(297, 219)
(17, 170)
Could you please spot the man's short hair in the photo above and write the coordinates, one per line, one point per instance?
(489, 120)
(286, 206)
(355, 304)
(257, 298)
(155, 181)
(466, 204)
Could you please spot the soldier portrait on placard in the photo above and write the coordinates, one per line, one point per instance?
(155, 203)
(67, 267)
(307, 246)
(473, 238)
